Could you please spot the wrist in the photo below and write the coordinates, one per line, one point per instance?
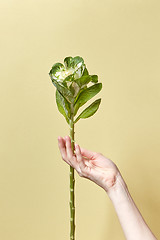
(119, 191)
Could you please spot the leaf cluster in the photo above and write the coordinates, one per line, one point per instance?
(72, 91)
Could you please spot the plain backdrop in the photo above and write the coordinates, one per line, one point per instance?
(120, 42)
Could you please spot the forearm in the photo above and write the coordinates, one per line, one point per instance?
(131, 220)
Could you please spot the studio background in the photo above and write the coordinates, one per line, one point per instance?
(120, 42)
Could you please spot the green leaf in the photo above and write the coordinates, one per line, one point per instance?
(68, 62)
(84, 80)
(63, 106)
(85, 72)
(63, 90)
(57, 67)
(81, 90)
(90, 110)
(94, 78)
(73, 62)
(69, 78)
(74, 88)
(86, 95)
(77, 62)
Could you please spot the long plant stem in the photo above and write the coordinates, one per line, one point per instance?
(72, 181)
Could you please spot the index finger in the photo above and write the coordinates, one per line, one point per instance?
(62, 147)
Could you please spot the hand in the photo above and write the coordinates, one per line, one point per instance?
(88, 164)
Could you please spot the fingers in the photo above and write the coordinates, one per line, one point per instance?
(66, 150)
(68, 147)
(87, 153)
(62, 147)
(75, 160)
(79, 156)
(81, 162)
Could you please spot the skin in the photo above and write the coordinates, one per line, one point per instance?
(88, 164)
(102, 171)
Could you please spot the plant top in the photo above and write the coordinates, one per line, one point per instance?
(71, 80)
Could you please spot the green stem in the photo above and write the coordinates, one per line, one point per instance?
(72, 180)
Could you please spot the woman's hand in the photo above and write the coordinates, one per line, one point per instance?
(104, 172)
(88, 164)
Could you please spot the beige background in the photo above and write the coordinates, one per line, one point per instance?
(120, 42)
